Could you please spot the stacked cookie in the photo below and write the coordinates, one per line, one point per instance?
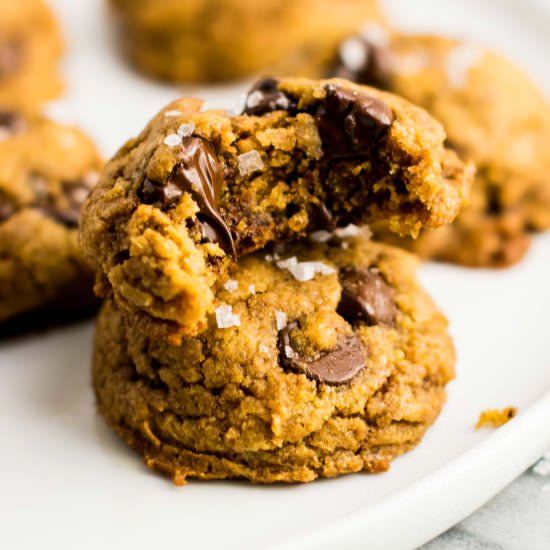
(228, 345)
(493, 114)
(46, 172)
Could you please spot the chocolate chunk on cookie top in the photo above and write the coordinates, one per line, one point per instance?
(338, 365)
(281, 386)
(196, 190)
(366, 296)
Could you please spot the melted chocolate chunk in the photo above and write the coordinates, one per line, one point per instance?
(351, 123)
(375, 69)
(335, 367)
(11, 58)
(366, 297)
(265, 97)
(198, 173)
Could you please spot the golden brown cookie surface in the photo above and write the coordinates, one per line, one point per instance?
(46, 172)
(30, 46)
(322, 359)
(196, 190)
(493, 114)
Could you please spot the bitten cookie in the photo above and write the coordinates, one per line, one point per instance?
(199, 40)
(493, 114)
(46, 171)
(178, 204)
(30, 46)
(322, 359)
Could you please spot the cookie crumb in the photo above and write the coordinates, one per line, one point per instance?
(494, 418)
(186, 130)
(173, 140)
(225, 318)
(281, 319)
(231, 285)
(250, 162)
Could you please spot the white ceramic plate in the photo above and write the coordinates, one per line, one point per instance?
(67, 482)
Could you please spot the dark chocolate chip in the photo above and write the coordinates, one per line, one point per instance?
(66, 207)
(335, 367)
(375, 69)
(351, 123)
(11, 122)
(366, 297)
(11, 58)
(198, 173)
(6, 209)
(265, 97)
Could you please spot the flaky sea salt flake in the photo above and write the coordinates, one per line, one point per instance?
(231, 285)
(250, 162)
(173, 112)
(280, 319)
(225, 318)
(252, 289)
(186, 130)
(375, 34)
(173, 140)
(354, 53)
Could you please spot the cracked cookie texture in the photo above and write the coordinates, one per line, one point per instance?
(196, 189)
(324, 358)
(46, 171)
(493, 114)
(30, 47)
(230, 39)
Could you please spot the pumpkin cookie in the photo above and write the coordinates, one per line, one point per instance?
(323, 358)
(199, 40)
(493, 114)
(46, 172)
(30, 46)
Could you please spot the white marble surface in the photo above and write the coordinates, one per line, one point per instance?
(518, 518)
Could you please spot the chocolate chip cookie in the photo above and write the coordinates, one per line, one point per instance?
(323, 358)
(199, 40)
(179, 203)
(30, 46)
(492, 113)
(46, 172)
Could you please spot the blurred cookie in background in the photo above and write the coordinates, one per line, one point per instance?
(30, 47)
(209, 41)
(46, 172)
(493, 114)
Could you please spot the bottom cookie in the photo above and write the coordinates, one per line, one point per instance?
(324, 359)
